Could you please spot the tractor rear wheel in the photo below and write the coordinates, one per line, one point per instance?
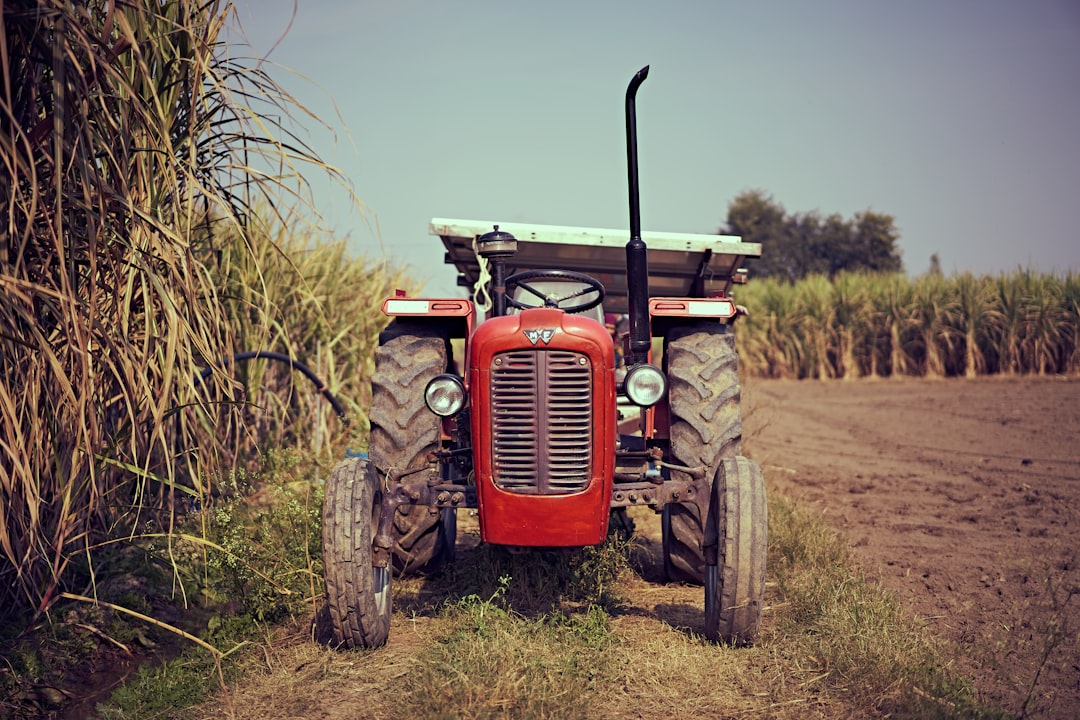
(737, 526)
(357, 592)
(404, 432)
(706, 427)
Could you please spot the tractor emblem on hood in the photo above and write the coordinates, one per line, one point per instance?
(544, 334)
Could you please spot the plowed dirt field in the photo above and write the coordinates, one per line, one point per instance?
(963, 497)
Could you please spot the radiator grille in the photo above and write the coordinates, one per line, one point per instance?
(541, 402)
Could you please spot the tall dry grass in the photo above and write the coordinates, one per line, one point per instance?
(864, 325)
(292, 292)
(124, 127)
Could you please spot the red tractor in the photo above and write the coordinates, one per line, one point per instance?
(548, 422)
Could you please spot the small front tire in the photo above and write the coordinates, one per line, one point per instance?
(737, 532)
(357, 592)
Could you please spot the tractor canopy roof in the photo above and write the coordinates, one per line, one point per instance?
(680, 264)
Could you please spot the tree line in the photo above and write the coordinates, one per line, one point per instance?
(796, 245)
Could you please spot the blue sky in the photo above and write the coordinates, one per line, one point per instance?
(959, 118)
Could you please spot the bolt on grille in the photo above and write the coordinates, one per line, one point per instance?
(541, 402)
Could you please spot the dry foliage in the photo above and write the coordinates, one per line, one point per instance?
(134, 150)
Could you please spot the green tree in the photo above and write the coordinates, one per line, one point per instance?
(756, 217)
(794, 246)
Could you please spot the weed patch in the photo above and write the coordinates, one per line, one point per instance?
(261, 544)
(851, 632)
(497, 663)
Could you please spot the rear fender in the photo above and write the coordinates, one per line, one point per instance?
(461, 314)
(666, 313)
(456, 315)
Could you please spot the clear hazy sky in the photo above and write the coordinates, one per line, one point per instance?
(961, 118)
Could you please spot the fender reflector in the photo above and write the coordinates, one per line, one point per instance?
(719, 308)
(428, 306)
(406, 307)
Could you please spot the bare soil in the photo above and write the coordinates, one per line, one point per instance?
(961, 496)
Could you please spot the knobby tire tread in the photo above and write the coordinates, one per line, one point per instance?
(352, 495)
(404, 432)
(706, 427)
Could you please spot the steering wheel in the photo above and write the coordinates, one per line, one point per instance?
(522, 280)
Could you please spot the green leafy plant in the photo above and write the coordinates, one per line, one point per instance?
(262, 543)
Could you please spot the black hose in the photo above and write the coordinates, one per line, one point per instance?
(293, 363)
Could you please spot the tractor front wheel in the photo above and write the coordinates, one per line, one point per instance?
(357, 592)
(737, 527)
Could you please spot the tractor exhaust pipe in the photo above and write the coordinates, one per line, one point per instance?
(637, 261)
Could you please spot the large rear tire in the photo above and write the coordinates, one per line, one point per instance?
(357, 593)
(738, 525)
(706, 427)
(404, 432)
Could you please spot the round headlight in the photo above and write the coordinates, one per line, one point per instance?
(445, 395)
(645, 385)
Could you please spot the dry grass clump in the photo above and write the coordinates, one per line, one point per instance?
(495, 664)
(136, 154)
(290, 291)
(851, 632)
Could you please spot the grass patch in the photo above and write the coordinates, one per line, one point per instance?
(250, 560)
(497, 663)
(547, 634)
(224, 575)
(834, 643)
(851, 631)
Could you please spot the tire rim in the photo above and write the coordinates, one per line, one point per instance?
(712, 579)
(380, 585)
